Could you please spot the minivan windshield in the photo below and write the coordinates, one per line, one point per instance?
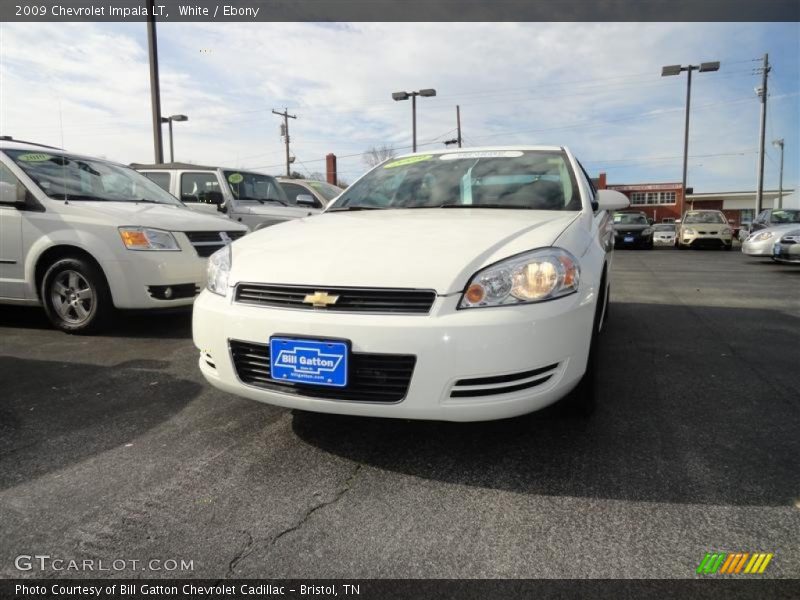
(255, 187)
(512, 179)
(704, 217)
(66, 177)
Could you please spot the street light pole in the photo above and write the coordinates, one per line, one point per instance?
(762, 92)
(397, 96)
(779, 144)
(677, 70)
(155, 88)
(169, 120)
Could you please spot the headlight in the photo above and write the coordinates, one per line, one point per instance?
(763, 236)
(647, 231)
(218, 269)
(530, 277)
(145, 238)
(727, 231)
(689, 232)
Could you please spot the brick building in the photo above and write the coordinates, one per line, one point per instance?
(659, 201)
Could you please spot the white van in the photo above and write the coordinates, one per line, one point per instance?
(81, 236)
(254, 199)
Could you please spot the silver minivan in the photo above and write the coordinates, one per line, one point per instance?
(248, 197)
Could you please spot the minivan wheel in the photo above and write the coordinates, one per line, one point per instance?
(75, 296)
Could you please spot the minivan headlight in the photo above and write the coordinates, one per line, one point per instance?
(146, 238)
(218, 269)
(534, 276)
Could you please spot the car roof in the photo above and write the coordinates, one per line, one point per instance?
(9, 143)
(485, 149)
(284, 179)
(20, 145)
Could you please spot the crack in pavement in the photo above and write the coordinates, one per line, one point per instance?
(251, 545)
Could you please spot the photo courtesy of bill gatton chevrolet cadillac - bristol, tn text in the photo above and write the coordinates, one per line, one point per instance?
(453, 285)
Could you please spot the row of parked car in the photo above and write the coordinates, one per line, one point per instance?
(697, 229)
(80, 235)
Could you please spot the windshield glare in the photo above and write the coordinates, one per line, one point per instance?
(254, 186)
(629, 219)
(494, 179)
(786, 216)
(65, 177)
(704, 217)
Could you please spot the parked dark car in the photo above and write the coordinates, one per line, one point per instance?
(775, 216)
(632, 230)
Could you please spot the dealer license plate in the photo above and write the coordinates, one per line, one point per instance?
(313, 362)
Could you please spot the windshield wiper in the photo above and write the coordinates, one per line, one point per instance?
(67, 197)
(262, 200)
(353, 208)
(485, 206)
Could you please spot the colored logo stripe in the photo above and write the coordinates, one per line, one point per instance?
(732, 563)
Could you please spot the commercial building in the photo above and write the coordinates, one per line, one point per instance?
(665, 201)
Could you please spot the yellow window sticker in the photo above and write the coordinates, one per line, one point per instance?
(407, 161)
(35, 157)
(235, 178)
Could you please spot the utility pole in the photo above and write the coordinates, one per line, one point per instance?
(458, 124)
(155, 88)
(763, 93)
(779, 144)
(286, 116)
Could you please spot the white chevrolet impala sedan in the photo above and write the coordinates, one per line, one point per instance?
(459, 285)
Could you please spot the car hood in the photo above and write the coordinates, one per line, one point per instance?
(630, 227)
(435, 249)
(161, 216)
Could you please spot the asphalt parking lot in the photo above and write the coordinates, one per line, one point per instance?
(114, 447)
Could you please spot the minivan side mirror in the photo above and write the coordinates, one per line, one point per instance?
(214, 197)
(12, 194)
(611, 200)
(306, 200)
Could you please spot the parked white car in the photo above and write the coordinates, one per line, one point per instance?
(457, 285)
(81, 236)
(248, 197)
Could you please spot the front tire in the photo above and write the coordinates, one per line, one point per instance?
(75, 296)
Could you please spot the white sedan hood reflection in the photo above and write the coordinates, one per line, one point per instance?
(435, 249)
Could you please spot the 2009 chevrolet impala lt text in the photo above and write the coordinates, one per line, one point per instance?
(459, 286)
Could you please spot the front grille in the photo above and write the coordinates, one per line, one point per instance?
(208, 242)
(370, 300)
(502, 384)
(372, 377)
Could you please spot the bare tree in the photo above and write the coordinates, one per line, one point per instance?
(377, 154)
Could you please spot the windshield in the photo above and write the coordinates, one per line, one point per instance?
(786, 216)
(495, 179)
(254, 186)
(66, 177)
(629, 219)
(664, 227)
(326, 190)
(704, 217)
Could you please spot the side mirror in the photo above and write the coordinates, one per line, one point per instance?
(306, 200)
(611, 200)
(650, 221)
(12, 195)
(214, 197)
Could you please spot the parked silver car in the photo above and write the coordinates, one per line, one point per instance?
(760, 243)
(254, 199)
(787, 249)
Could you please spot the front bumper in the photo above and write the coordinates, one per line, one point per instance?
(664, 241)
(761, 248)
(449, 345)
(632, 241)
(788, 253)
(706, 240)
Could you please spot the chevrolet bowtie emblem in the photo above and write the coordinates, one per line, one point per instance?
(320, 299)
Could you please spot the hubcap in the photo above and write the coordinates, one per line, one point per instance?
(72, 297)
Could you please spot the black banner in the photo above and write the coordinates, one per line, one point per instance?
(380, 589)
(401, 10)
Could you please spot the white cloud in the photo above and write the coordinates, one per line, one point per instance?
(595, 87)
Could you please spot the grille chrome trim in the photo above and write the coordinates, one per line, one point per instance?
(206, 243)
(373, 378)
(350, 299)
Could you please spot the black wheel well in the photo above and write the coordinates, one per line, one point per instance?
(54, 253)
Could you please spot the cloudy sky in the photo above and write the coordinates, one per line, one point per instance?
(595, 87)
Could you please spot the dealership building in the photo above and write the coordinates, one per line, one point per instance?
(665, 201)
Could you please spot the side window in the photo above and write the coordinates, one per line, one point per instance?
(11, 189)
(292, 191)
(195, 187)
(161, 179)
